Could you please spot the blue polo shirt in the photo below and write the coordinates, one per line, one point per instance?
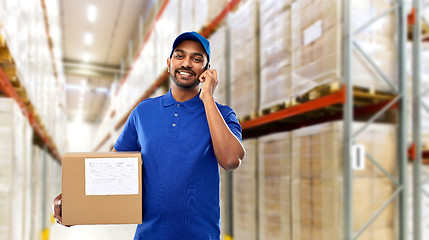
(180, 169)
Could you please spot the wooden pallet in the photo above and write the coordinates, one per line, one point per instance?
(2, 41)
(248, 117)
(10, 72)
(274, 108)
(361, 97)
(5, 56)
(317, 92)
(370, 95)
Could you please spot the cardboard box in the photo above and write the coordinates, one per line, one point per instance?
(102, 188)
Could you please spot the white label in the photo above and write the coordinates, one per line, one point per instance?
(111, 176)
(358, 157)
(313, 32)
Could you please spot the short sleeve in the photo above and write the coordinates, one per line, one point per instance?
(233, 124)
(128, 140)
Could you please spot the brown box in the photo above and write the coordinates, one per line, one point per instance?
(91, 197)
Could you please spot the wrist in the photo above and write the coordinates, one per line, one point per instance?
(206, 98)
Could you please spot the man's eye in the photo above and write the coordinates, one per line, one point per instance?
(197, 60)
(179, 56)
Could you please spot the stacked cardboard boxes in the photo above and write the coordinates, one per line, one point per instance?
(317, 182)
(274, 180)
(275, 52)
(197, 14)
(166, 30)
(186, 16)
(244, 49)
(245, 194)
(218, 61)
(205, 11)
(317, 44)
(29, 177)
(23, 28)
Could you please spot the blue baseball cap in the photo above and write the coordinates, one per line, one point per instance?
(194, 36)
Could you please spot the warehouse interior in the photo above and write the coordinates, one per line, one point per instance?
(332, 98)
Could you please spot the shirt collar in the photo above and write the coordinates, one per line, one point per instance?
(191, 104)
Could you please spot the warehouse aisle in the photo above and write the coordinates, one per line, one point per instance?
(332, 98)
(105, 232)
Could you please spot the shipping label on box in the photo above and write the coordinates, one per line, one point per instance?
(102, 188)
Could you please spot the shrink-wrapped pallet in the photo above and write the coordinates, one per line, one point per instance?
(317, 44)
(245, 194)
(275, 52)
(166, 31)
(195, 15)
(6, 165)
(15, 141)
(205, 11)
(244, 45)
(274, 180)
(218, 61)
(317, 181)
(187, 23)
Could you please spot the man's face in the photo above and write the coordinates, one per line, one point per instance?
(187, 63)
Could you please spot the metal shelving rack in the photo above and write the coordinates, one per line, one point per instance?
(345, 97)
(418, 191)
(401, 181)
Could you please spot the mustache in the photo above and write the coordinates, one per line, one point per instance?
(185, 69)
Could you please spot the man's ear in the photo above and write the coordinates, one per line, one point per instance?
(168, 64)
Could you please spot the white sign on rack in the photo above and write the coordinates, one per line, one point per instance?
(358, 157)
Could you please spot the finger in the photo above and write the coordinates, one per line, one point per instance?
(203, 77)
(213, 76)
(210, 73)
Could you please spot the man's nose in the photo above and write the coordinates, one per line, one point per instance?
(186, 63)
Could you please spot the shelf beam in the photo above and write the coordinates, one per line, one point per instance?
(334, 98)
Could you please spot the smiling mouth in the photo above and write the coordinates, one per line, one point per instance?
(185, 74)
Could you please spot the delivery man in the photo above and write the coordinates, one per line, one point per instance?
(183, 137)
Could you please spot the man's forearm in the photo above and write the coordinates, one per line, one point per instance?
(228, 149)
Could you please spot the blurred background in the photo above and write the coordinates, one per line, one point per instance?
(331, 96)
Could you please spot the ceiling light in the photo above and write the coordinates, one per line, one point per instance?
(86, 57)
(88, 38)
(102, 90)
(91, 13)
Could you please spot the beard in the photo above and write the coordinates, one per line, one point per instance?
(192, 84)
